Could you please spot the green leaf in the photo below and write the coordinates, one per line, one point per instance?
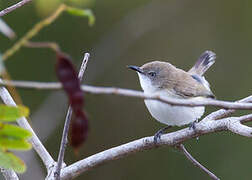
(13, 131)
(11, 113)
(14, 143)
(82, 12)
(9, 161)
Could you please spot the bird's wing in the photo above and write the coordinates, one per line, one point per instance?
(192, 86)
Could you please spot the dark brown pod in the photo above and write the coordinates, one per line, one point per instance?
(69, 79)
(71, 84)
(79, 130)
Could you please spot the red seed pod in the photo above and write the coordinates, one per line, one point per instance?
(71, 84)
(69, 79)
(79, 129)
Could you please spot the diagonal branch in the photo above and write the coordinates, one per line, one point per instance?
(182, 148)
(170, 139)
(36, 143)
(133, 93)
(13, 7)
(67, 122)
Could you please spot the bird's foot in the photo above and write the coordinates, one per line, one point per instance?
(158, 134)
(192, 126)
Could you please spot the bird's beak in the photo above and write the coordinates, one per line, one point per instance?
(136, 68)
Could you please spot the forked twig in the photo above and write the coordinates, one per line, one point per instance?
(67, 122)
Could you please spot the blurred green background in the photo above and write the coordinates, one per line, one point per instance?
(132, 33)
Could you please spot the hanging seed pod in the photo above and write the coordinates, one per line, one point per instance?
(69, 79)
(79, 130)
(71, 84)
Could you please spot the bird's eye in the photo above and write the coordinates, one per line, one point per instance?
(152, 74)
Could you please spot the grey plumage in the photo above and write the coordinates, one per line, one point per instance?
(205, 61)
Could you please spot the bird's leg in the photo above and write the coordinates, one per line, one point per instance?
(158, 134)
(192, 124)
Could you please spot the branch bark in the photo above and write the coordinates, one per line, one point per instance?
(132, 93)
(13, 7)
(170, 139)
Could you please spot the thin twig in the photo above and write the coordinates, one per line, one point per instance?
(67, 122)
(36, 143)
(6, 30)
(170, 139)
(52, 45)
(132, 93)
(13, 7)
(182, 148)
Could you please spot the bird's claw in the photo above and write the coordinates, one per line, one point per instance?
(157, 137)
(158, 134)
(192, 125)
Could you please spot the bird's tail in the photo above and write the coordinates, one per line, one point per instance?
(204, 62)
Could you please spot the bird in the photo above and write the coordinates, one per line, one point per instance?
(163, 78)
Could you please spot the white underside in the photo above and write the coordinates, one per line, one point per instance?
(173, 115)
(167, 114)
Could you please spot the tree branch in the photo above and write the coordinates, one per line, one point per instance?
(13, 7)
(224, 113)
(132, 93)
(182, 148)
(206, 126)
(37, 145)
(170, 139)
(6, 30)
(67, 122)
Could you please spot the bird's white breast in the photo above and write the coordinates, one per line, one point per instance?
(165, 113)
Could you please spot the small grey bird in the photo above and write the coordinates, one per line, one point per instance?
(167, 80)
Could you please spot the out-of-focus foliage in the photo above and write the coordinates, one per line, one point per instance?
(83, 13)
(46, 7)
(13, 132)
(13, 137)
(11, 113)
(81, 3)
(9, 161)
